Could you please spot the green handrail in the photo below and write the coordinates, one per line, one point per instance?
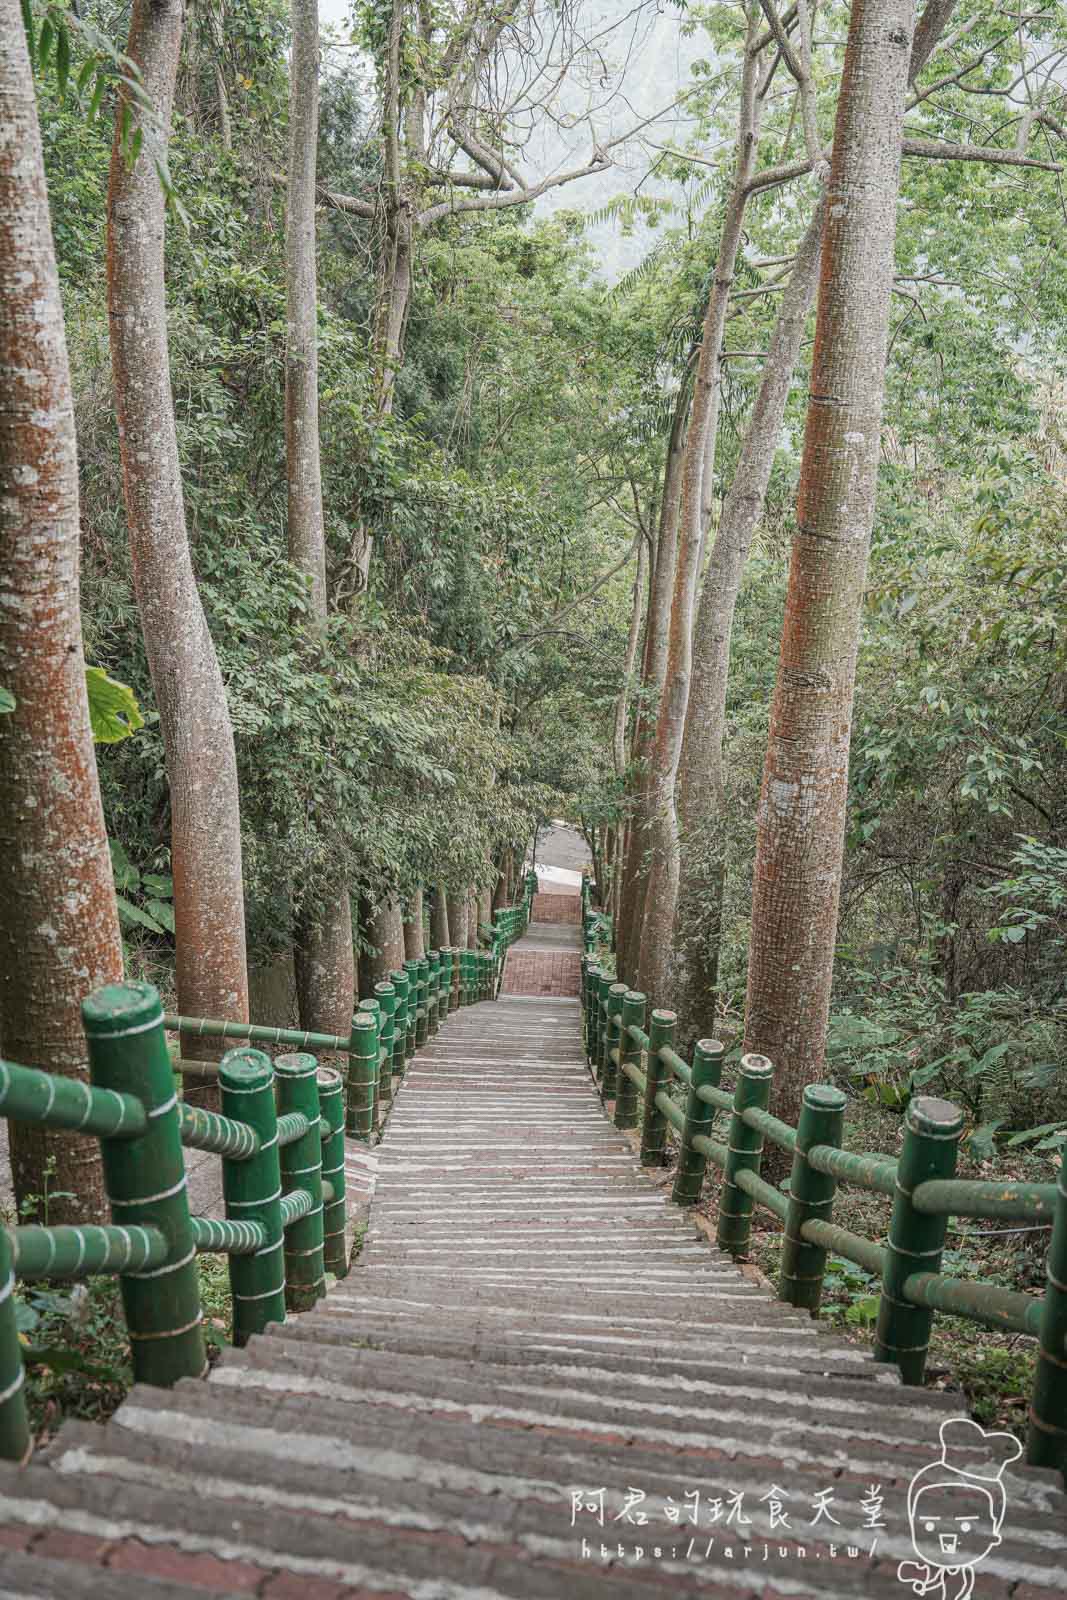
(921, 1182)
(283, 1164)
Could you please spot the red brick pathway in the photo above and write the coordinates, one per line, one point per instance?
(557, 908)
(549, 972)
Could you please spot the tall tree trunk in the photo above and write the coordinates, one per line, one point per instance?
(485, 907)
(457, 918)
(385, 931)
(801, 818)
(653, 670)
(59, 931)
(619, 752)
(439, 928)
(661, 830)
(622, 703)
(325, 973)
(500, 888)
(693, 978)
(414, 942)
(324, 965)
(472, 918)
(701, 778)
(194, 719)
(394, 273)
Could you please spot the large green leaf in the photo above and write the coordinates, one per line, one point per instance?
(113, 710)
(125, 873)
(162, 912)
(131, 914)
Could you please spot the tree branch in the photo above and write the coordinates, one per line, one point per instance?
(551, 623)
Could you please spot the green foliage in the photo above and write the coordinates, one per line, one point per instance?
(850, 1294)
(154, 892)
(113, 710)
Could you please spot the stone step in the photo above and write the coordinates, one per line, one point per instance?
(540, 1381)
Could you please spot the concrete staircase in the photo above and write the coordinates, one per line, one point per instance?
(532, 1340)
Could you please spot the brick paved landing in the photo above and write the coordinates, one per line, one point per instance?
(547, 959)
(565, 908)
(534, 1380)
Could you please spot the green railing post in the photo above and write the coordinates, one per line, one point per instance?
(633, 1012)
(744, 1150)
(661, 1031)
(434, 992)
(385, 994)
(335, 1210)
(932, 1130)
(609, 1088)
(362, 1070)
(424, 998)
(145, 1180)
(604, 981)
(415, 998)
(811, 1197)
(16, 1440)
(402, 989)
(372, 1007)
(446, 983)
(592, 996)
(253, 1193)
(1046, 1444)
(699, 1116)
(297, 1077)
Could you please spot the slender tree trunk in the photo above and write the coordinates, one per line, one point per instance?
(307, 542)
(485, 907)
(693, 978)
(439, 929)
(194, 719)
(472, 919)
(414, 943)
(500, 888)
(622, 703)
(801, 818)
(657, 924)
(653, 670)
(615, 855)
(226, 132)
(59, 931)
(325, 974)
(395, 265)
(457, 918)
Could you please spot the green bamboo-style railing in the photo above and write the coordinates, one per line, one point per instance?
(280, 1135)
(628, 1062)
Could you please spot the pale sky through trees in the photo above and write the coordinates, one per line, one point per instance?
(648, 60)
